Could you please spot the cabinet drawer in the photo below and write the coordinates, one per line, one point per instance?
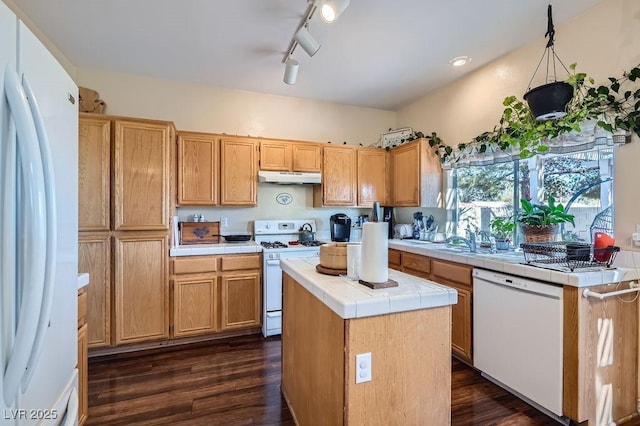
(416, 262)
(233, 263)
(460, 274)
(194, 264)
(82, 307)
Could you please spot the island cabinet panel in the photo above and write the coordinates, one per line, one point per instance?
(307, 157)
(141, 169)
(416, 176)
(94, 171)
(319, 337)
(94, 258)
(141, 287)
(194, 305)
(410, 361)
(238, 171)
(339, 177)
(585, 380)
(198, 169)
(372, 176)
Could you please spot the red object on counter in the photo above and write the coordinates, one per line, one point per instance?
(602, 240)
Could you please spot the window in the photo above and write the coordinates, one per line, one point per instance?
(581, 181)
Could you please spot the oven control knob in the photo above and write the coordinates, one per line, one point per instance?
(268, 226)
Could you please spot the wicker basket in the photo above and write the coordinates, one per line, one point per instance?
(539, 234)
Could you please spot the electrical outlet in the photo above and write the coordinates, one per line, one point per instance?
(363, 367)
(223, 222)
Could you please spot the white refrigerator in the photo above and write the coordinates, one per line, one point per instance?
(38, 232)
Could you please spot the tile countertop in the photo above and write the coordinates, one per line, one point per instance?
(83, 280)
(512, 263)
(350, 299)
(221, 248)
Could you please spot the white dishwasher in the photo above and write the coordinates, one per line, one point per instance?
(517, 336)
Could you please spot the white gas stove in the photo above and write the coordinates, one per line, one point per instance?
(279, 240)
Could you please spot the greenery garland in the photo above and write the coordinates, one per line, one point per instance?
(615, 106)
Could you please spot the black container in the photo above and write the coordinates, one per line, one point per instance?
(340, 225)
(577, 251)
(549, 101)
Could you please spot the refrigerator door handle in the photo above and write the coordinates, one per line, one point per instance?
(73, 408)
(34, 200)
(52, 237)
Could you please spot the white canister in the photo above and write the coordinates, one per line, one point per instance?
(354, 255)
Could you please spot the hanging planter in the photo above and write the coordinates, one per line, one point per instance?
(549, 101)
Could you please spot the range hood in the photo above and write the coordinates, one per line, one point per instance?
(289, 178)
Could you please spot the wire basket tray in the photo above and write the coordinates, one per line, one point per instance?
(569, 254)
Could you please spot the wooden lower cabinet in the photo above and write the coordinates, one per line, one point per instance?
(216, 293)
(451, 274)
(141, 287)
(240, 300)
(194, 305)
(94, 258)
(83, 358)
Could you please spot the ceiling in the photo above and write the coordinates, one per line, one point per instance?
(378, 54)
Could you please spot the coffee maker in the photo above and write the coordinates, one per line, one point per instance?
(387, 216)
(340, 227)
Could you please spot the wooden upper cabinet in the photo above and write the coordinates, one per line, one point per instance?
(94, 165)
(372, 176)
(416, 176)
(198, 169)
(288, 156)
(307, 157)
(338, 177)
(141, 175)
(275, 155)
(238, 171)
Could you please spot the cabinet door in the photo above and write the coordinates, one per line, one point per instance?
(141, 175)
(94, 165)
(83, 375)
(94, 257)
(338, 176)
(275, 155)
(194, 305)
(405, 167)
(372, 176)
(141, 287)
(198, 169)
(461, 325)
(238, 172)
(240, 300)
(307, 157)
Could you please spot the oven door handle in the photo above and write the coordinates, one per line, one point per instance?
(273, 262)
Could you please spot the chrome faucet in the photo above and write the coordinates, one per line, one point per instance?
(470, 242)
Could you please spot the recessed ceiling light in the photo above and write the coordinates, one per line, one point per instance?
(459, 61)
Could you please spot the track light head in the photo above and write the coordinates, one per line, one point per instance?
(291, 71)
(330, 10)
(306, 41)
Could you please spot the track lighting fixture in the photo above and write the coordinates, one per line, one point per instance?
(291, 71)
(306, 41)
(330, 10)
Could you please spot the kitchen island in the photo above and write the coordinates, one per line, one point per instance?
(328, 320)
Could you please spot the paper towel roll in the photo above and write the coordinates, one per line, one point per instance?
(374, 263)
(354, 252)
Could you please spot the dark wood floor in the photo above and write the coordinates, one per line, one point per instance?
(236, 382)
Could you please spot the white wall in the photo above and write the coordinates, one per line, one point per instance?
(604, 42)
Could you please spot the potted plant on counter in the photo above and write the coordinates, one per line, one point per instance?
(502, 230)
(540, 222)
